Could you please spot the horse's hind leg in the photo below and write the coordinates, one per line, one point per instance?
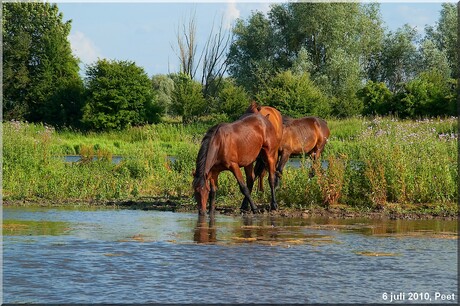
(316, 155)
(270, 160)
(280, 166)
(249, 171)
(243, 188)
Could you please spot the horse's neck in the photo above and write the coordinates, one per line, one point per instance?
(211, 156)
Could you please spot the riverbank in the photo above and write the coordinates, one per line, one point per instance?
(390, 212)
(368, 166)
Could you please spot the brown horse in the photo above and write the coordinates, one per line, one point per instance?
(276, 119)
(273, 115)
(306, 135)
(229, 146)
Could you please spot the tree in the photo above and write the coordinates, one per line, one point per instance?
(163, 85)
(400, 58)
(187, 98)
(376, 98)
(295, 95)
(434, 59)
(212, 57)
(252, 54)
(445, 36)
(430, 94)
(40, 74)
(187, 48)
(233, 100)
(119, 94)
(215, 60)
(329, 37)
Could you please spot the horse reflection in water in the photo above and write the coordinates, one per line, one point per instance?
(229, 146)
(205, 232)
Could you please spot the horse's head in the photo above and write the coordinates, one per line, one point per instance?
(201, 190)
(253, 108)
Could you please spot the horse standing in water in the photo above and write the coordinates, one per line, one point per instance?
(229, 146)
(276, 119)
(306, 135)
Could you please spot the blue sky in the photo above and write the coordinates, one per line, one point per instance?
(145, 32)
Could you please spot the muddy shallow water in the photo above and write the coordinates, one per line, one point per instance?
(133, 256)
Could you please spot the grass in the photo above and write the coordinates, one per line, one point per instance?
(373, 164)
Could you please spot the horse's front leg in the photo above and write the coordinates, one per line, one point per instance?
(249, 171)
(280, 166)
(212, 193)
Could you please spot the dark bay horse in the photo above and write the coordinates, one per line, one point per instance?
(229, 146)
(306, 135)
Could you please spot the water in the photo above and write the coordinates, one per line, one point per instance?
(294, 162)
(130, 256)
(76, 158)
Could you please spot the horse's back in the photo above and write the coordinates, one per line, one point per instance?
(242, 140)
(275, 118)
(272, 114)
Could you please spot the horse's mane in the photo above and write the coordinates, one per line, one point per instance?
(200, 171)
(253, 108)
(287, 119)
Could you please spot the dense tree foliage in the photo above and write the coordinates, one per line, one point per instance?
(445, 36)
(324, 59)
(119, 94)
(187, 98)
(232, 99)
(163, 85)
(295, 95)
(40, 74)
(327, 39)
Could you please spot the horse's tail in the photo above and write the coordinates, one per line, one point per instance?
(259, 167)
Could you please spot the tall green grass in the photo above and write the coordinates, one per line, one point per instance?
(384, 161)
(371, 164)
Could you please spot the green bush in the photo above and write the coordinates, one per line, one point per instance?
(119, 95)
(187, 98)
(295, 95)
(376, 98)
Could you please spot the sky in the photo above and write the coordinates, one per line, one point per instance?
(145, 32)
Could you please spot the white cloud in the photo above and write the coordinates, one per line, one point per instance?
(231, 14)
(84, 48)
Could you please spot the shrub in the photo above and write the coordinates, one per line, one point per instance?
(376, 98)
(294, 95)
(119, 95)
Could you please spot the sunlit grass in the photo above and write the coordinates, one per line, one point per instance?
(373, 163)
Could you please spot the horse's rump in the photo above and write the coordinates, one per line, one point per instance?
(273, 115)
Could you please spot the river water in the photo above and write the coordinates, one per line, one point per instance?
(133, 256)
